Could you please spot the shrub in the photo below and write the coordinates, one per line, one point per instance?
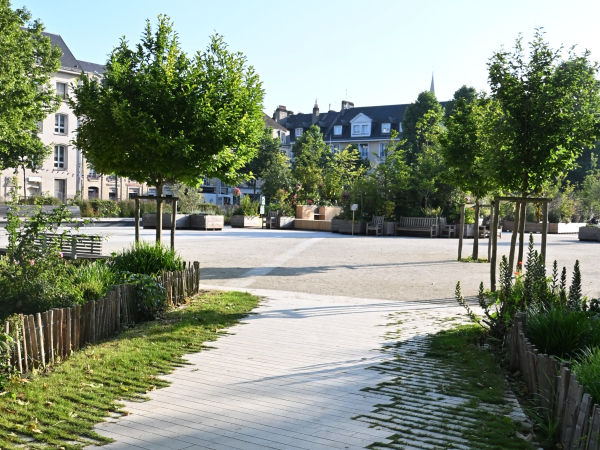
(561, 332)
(147, 258)
(247, 207)
(93, 279)
(587, 371)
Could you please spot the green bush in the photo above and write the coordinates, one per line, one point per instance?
(147, 258)
(587, 371)
(40, 200)
(247, 207)
(93, 279)
(561, 332)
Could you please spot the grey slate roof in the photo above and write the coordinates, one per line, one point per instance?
(272, 123)
(68, 60)
(391, 114)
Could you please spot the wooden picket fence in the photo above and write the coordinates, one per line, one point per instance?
(46, 338)
(557, 390)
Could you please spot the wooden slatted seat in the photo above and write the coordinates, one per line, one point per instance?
(418, 224)
(376, 225)
(78, 246)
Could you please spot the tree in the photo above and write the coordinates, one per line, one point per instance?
(268, 149)
(159, 116)
(590, 191)
(277, 175)
(549, 114)
(311, 157)
(341, 172)
(466, 145)
(426, 101)
(466, 93)
(26, 97)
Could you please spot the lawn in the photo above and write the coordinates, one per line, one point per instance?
(61, 406)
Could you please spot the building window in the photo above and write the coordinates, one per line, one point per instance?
(335, 148)
(364, 150)
(365, 129)
(382, 147)
(356, 129)
(400, 127)
(361, 129)
(282, 137)
(61, 90)
(60, 124)
(337, 130)
(59, 156)
(298, 132)
(386, 127)
(60, 188)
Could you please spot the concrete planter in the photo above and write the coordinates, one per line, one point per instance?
(239, 221)
(389, 228)
(589, 234)
(181, 221)
(553, 228)
(360, 227)
(306, 212)
(335, 225)
(327, 212)
(286, 223)
(207, 222)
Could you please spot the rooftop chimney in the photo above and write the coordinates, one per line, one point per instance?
(280, 114)
(315, 114)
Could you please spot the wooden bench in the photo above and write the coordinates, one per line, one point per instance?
(376, 225)
(77, 246)
(418, 224)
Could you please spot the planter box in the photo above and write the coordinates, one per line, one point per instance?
(239, 221)
(286, 223)
(328, 212)
(181, 221)
(206, 222)
(389, 228)
(335, 225)
(312, 225)
(306, 212)
(553, 228)
(360, 227)
(589, 234)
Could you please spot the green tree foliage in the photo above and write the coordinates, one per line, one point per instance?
(466, 93)
(160, 116)
(411, 131)
(550, 110)
(27, 64)
(268, 150)
(343, 169)
(311, 157)
(590, 191)
(277, 176)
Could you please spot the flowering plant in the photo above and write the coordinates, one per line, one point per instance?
(236, 192)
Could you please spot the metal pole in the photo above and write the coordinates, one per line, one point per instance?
(461, 231)
(544, 229)
(173, 223)
(137, 220)
(494, 245)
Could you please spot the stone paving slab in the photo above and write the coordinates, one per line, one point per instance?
(289, 377)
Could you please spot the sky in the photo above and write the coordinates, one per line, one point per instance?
(369, 52)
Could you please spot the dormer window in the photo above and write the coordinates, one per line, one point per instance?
(361, 125)
(337, 130)
(298, 132)
(386, 128)
(356, 129)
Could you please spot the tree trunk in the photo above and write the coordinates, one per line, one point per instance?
(513, 239)
(476, 233)
(522, 233)
(159, 209)
(255, 187)
(24, 184)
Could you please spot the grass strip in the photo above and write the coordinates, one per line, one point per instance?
(59, 408)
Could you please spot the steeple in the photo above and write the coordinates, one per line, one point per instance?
(432, 88)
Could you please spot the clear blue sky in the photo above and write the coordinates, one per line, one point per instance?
(379, 52)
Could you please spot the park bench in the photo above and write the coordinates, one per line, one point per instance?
(270, 220)
(376, 225)
(77, 246)
(418, 224)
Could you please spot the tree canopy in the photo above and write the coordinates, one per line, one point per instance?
(269, 148)
(27, 64)
(550, 111)
(160, 116)
(426, 101)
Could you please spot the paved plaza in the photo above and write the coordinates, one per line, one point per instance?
(292, 375)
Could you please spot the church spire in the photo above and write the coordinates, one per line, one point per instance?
(432, 88)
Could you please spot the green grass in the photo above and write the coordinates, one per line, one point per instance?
(62, 406)
(469, 259)
(587, 370)
(147, 258)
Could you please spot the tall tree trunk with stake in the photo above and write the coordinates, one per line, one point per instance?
(476, 232)
(159, 209)
(513, 239)
(522, 220)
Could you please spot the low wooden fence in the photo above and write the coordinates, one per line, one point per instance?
(557, 390)
(45, 338)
